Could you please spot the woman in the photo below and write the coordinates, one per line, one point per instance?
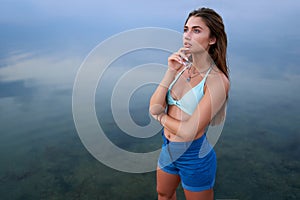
(190, 97)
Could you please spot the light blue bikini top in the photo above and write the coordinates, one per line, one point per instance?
(190, 100)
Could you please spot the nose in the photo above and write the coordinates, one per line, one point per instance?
(187, 35)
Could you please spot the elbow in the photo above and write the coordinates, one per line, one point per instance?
(155, 110)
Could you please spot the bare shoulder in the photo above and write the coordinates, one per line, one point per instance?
(218, 79)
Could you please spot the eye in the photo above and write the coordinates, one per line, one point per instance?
(185, 30)
(197, 30)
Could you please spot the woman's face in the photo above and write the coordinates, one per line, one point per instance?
(196, 35)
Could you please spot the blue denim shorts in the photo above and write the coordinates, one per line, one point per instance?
(195, 162)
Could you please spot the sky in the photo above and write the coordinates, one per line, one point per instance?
(47, 23)
(40, 38)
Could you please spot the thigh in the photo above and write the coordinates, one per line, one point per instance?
(203, 195)
(166, 182)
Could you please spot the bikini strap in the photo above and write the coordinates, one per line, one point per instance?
(181, 72)
(207, 73)
(177, 77)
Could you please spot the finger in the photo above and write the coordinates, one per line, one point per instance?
(176, 57)
(184, 50)
(183, 56)
(184, 53)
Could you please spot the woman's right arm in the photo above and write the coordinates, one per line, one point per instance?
(158, 99)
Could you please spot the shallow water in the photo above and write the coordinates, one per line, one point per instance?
(42, 156)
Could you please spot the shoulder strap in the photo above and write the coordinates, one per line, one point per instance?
(177, 77)
(207, 73)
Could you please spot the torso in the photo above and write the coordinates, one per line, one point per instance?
(180, 88)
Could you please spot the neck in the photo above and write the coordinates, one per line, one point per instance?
(202, 61)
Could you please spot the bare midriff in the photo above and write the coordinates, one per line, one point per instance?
(177, 113)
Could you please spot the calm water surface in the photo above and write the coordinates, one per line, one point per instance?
(42, 156)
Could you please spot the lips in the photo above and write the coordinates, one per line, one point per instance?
(187, 45)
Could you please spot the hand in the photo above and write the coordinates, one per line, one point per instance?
(176, 60)
(159, 117)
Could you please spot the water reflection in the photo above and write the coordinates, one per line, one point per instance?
(42, 156)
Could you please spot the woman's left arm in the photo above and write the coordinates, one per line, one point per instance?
(215, 96)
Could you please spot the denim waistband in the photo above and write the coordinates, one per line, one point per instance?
(200, 145)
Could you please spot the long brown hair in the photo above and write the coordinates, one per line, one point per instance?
(215, 24)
